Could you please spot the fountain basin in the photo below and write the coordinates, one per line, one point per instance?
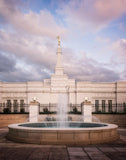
(95, 133)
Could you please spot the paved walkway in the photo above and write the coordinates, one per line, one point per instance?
(19, 151)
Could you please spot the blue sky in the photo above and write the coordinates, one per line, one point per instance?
(93, 39)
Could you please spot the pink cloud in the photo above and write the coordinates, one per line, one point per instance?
(42, 24)
(108, 10)
(93, 14)
(32, 49)
(87, 69)
(39, 56)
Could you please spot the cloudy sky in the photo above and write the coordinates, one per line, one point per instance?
(93, 39)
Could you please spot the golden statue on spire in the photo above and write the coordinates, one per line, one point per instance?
(58, 37)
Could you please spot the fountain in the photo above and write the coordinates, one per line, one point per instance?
(62, 132)
(62, 114)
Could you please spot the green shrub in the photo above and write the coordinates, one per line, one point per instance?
(22, 110)
(15, 111)
(75, 110)
(6, 110)
(45, 110)
(99, 111)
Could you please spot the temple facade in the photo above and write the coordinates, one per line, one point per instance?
(47, 91)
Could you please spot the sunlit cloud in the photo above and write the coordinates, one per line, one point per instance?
(42, 23)
(92, 15)
(88, 69)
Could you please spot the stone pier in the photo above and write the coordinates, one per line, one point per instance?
(87, 111)
(33, 111)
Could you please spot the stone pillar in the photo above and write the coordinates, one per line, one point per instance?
(33, 111)
(12, 107)
(26, 107)
(87, 111)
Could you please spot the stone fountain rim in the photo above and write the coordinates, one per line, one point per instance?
(108, 126)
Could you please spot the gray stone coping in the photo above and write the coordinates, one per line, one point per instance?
(108, 127)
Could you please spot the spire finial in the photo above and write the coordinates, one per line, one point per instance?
(58, 37)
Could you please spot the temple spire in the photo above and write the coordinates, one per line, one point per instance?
(59, 67)
(58, 37)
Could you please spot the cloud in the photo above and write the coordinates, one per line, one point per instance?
(42, 23)
(6, 63)
(27, 42)
(20, 75)
(122, 26)
(87, 69)
(103, 40)
(119, 48)
(11, 71)
(33, 49)
(123, 74)
(25, 58)
(92, 15)
(35, 59)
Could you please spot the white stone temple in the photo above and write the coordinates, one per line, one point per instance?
(47, 91)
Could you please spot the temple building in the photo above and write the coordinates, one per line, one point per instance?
(47, 91)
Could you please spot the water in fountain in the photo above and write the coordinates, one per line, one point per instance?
(62, 111)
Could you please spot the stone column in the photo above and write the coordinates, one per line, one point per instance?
(26, 107)
(33, 111)
(87, 111)
(106, 106)
(12, 107)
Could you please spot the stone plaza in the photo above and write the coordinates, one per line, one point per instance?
(12, 151)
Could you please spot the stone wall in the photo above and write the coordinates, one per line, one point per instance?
(48, 91)
(119, 119)
(6, 119)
